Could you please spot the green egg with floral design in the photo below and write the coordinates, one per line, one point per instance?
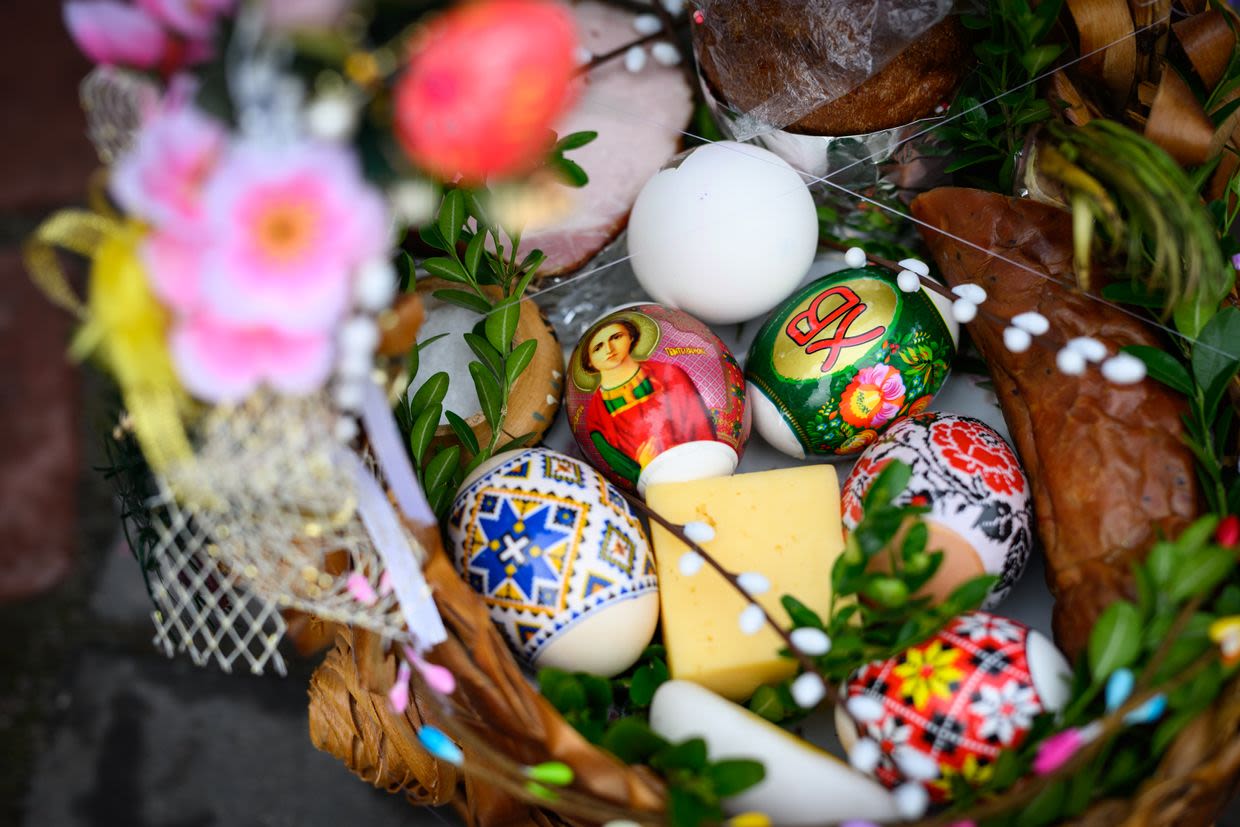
(843, 358)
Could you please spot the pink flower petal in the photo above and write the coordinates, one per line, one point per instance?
(162, 178)
(304, 14)
(213, 361)
(385, 583)
(289, 226)
(194, 19)
(115, 33)
(361, 589)
(221, 362)
(174, 267)
(1056, 751)
(893, 386)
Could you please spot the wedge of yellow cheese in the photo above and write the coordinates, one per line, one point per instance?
(783, 524)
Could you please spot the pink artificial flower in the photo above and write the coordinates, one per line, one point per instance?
(116, 34)
(288, 225)
(192, 19)
(161, 179)
(221, 362)
(174, 267)
(304, 14)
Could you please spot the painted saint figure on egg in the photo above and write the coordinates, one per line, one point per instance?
(656, 397)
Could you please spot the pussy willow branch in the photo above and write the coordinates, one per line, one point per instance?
(678, 532)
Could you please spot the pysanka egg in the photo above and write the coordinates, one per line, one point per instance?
(559, 559)
(654, 396)
(843, 358)
(725, 232)
(947, 706)
(981, 512)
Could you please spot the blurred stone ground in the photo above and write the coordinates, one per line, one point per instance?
(96, 727)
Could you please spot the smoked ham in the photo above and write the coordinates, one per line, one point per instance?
(638, 117)
(1107, 463)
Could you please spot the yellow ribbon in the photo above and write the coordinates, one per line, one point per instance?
(122, 322)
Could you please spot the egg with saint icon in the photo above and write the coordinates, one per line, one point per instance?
(654, 396)
(843, 358)
(560, 560)
(981, 508)
(940, 712)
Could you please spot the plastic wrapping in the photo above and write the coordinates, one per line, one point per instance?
(776, 61)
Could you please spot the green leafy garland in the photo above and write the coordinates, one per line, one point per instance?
(474, 256)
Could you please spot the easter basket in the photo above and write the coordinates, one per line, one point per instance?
(301, 202)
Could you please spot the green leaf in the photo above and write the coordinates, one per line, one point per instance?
(406, 270)
(501, 325)
(970, 594)
(1201, 573)
(446, 268)
(767, 704)
(1216, 356)
(1115, 640)
(516, 442)
(1164, 367)
(735, 775)
(431, 237)
(423, 431)
(1133, 294)
(473, 202)
(519, 359)
(439, 470)
(489, 355)
(524, 283)
(576, 140)
(632, 740)
(684, 809)
(489, 394)
(473, 253)
(573, 174)
(646, 680)
(687, 755)
(800, 614)
(463, 298)
(1045, 808)
(451, 216)
(889, 484)
(463, 432)
(432, 392)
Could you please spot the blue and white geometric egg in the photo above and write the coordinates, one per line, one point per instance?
(560, 560)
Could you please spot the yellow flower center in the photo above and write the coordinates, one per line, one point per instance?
(866, 400)
(284, 230)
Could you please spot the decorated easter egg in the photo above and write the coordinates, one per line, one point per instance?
(947, 706)
(981, 511)
(724, 232)
(560, 560)
(845, 357)
(653, 396)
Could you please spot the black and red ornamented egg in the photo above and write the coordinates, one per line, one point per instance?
(981, 511)
(949, 705)
(654, 396)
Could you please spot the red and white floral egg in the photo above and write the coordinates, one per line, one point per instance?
(947, 706)
(981, 511)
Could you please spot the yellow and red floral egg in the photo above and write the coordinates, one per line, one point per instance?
(844, 358)
(654, 396)
(948, 706)
(981, 509)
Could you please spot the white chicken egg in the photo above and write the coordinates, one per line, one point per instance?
(726, 234)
